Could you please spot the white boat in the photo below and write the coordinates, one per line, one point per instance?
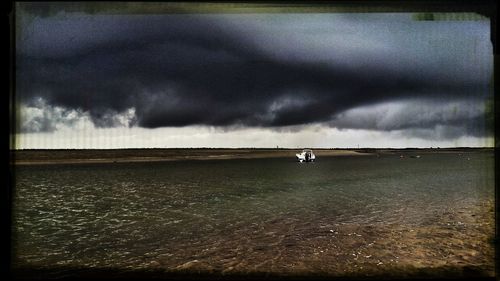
(306, 156)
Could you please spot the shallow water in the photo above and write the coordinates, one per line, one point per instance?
(340, 215)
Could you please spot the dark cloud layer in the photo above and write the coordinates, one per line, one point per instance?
(182, 70)
(449, 119)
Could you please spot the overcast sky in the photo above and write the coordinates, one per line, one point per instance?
(251, 80)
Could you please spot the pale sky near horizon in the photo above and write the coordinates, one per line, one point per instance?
(251, 80)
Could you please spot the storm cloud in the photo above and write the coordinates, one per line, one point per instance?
(255, 70)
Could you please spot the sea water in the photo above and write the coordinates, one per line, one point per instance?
(338, 216)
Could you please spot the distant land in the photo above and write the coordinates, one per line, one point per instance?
(80, 156)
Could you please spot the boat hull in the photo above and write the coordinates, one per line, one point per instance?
(303, 157)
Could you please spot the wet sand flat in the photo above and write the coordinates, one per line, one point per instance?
(78, 156)
(30, 157)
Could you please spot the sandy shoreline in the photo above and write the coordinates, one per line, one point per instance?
(90, 156)
(39, 157)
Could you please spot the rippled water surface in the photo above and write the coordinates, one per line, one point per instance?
(340, 215)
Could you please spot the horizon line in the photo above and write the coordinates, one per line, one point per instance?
(258, 148)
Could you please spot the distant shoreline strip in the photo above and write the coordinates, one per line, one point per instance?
(179, 158)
